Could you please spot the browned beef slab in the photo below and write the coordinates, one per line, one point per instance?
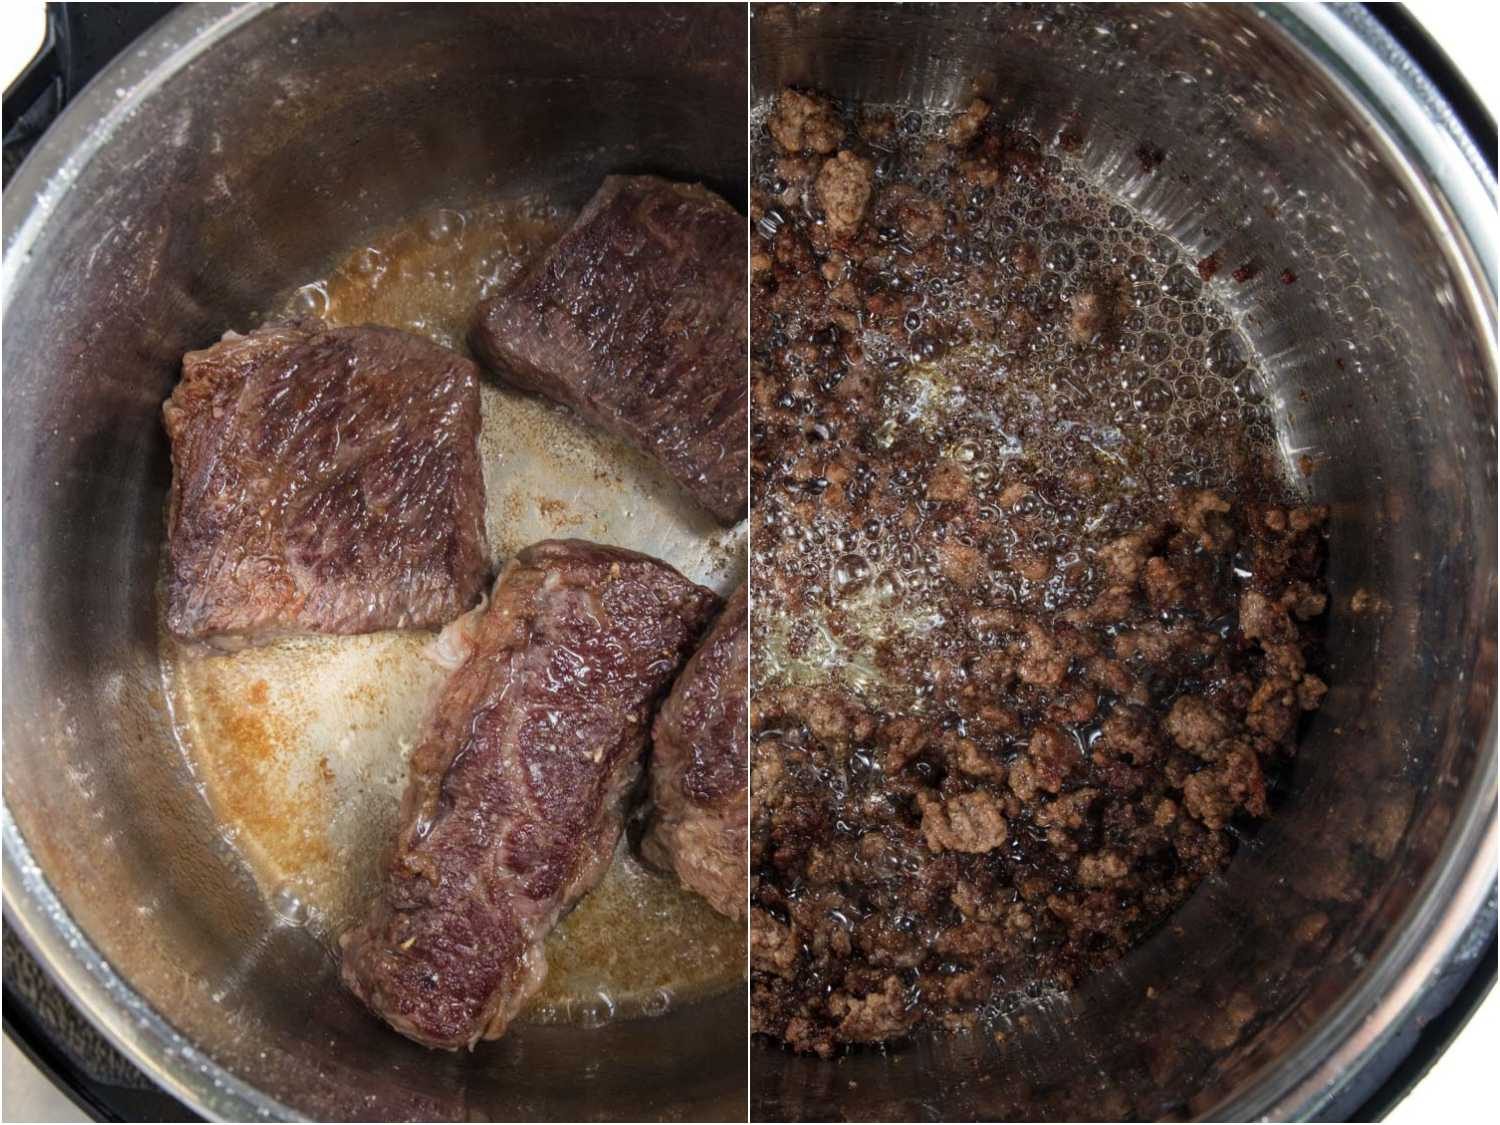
(636, 319)
(323, 481)
(700, 766)
(517, 788)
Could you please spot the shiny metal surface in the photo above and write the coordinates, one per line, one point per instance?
(223, 158)
(1296, 138)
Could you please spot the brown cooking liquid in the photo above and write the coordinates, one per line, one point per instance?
(301, 746)
(1022, 541)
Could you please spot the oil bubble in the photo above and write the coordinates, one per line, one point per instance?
(1154, 397)
(444, 225)
(1181, 282)
(287, 903)
(1224, 357)
(596, 1012)
(311, 300)
(850, 571)
(658, 1002)
(367, 262)
(1186, 387)
(1060, 257)
(1155, 347)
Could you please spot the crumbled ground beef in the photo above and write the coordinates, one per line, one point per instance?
(966, 125)
(843, 191)
(805, 123)
(1035, 608)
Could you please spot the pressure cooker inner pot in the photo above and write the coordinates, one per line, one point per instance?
(1224, 135)
(271, 141)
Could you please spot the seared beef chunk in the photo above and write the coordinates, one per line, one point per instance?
(518, 785)
(1034, 602)
(323, 481)
(636, 319)
(700, 764)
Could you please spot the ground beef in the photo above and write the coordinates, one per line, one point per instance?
(904, 209)
(804, 123)
(1036, 609)
(969, 822)
(843, 192)
(966, 125)
(1195, 724)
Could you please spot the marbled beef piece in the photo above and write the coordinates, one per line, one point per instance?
(700, 766)
(518, 785)
(324, 480)
(636, 319)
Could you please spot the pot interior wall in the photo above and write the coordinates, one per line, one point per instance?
(299, 130)
(1378, 372)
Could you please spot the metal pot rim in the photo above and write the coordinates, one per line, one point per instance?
(1420, 131)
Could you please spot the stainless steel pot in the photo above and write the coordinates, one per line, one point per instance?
(230, 151)
(1295, 138)
(235, 147)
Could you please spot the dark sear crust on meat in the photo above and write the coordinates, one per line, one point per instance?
(635, 318)
(699, 767)
(1035, 608)
(323, 481)
(518, 785)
